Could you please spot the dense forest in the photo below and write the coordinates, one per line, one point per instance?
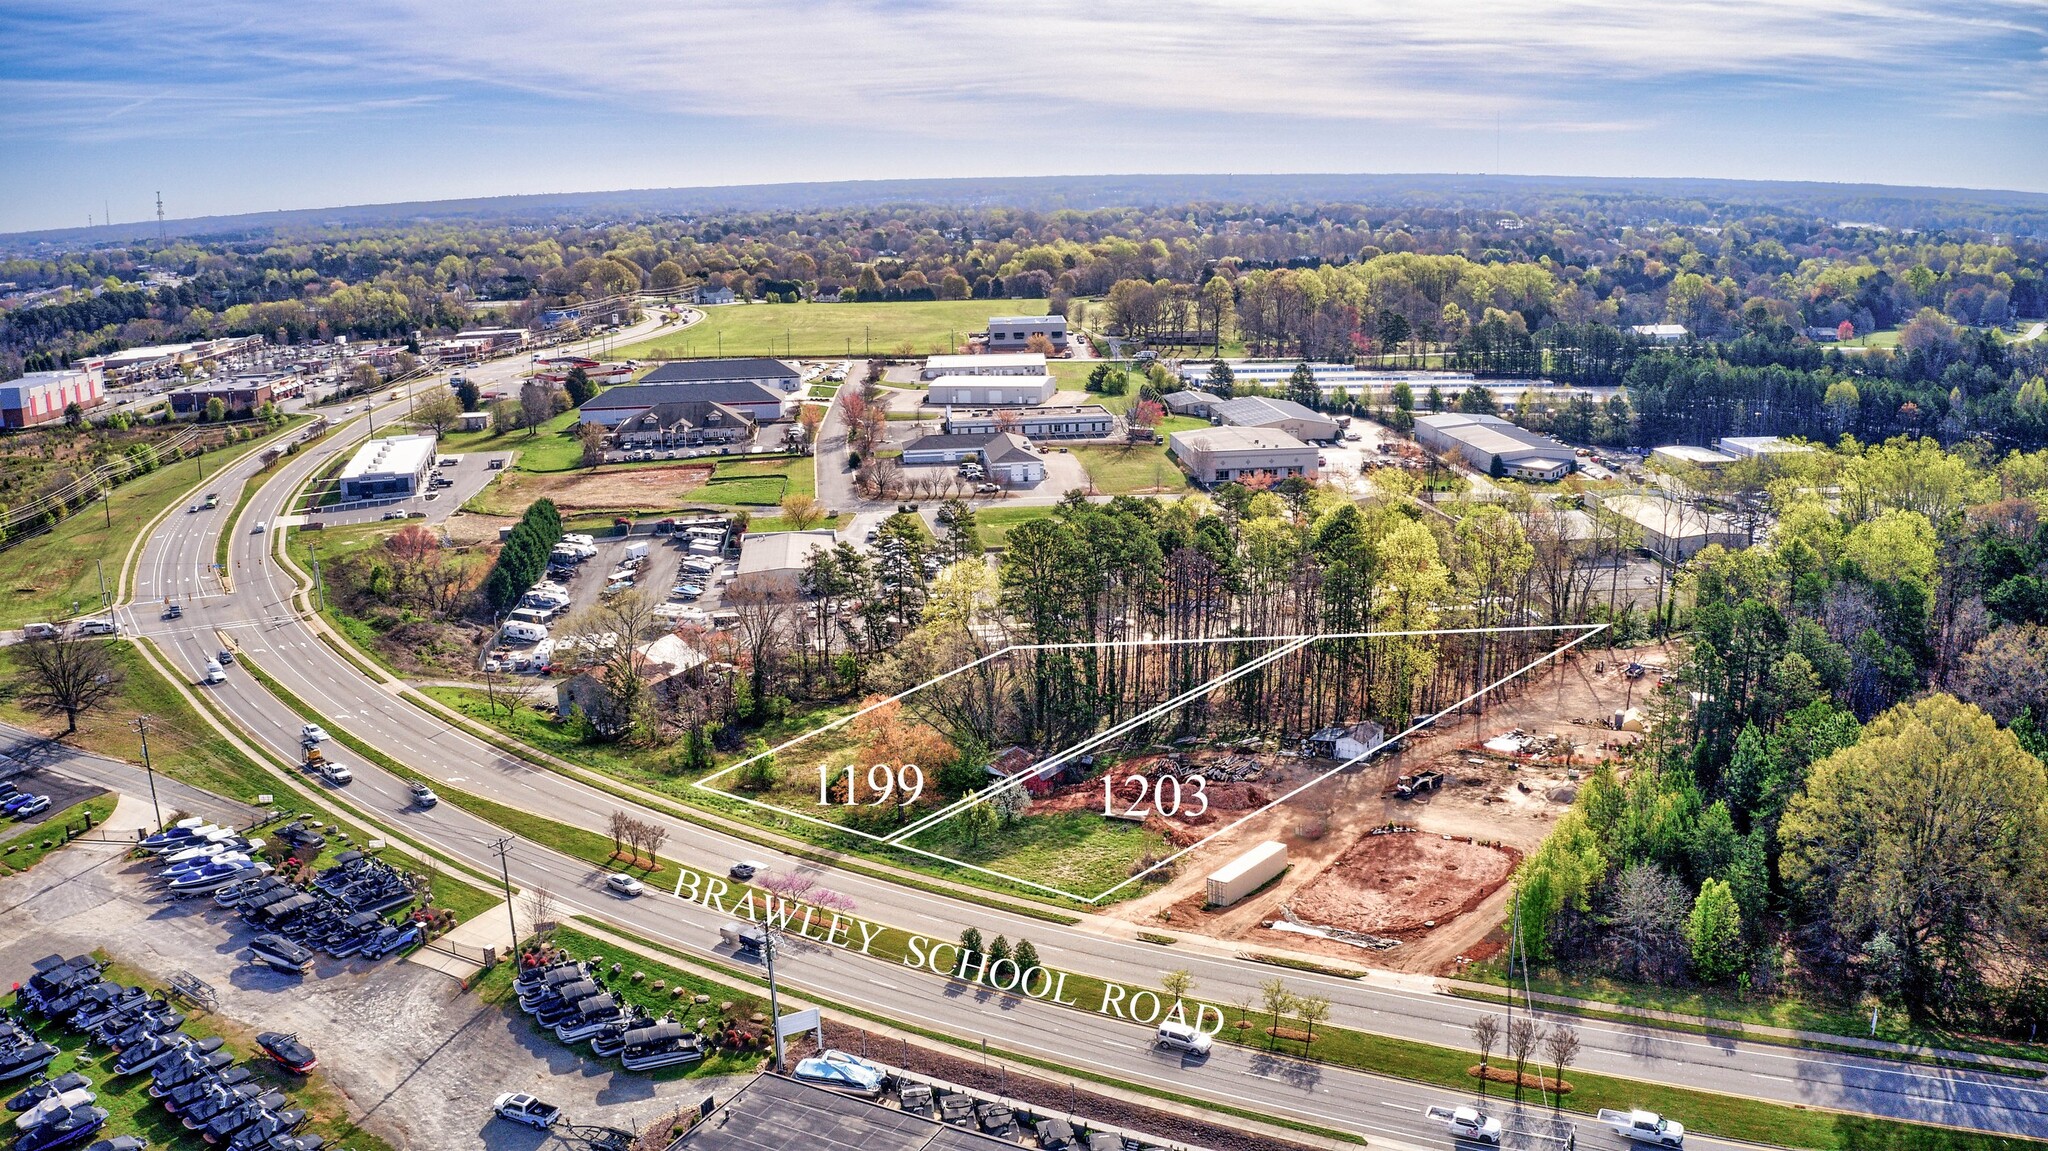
(1846, 792)
(1550, 290)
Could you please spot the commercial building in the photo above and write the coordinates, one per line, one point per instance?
(1219, 455)
(1013, 333)
(1495, 446)
(758, 401)
(1005, 456)
(153, 361)
(1685, 455)
(1756, 447)
(473, 421)
(388, 469)
(1672, 531)
(1004, 391)
(43, 397)
(1190, 402)
(240, 397)
(1075, 422)
(1297, 420)
(988, 364)
(1661, 333)
(603, 374)
(683, 424)
(773, 563)
(777, 374)
(477, 344)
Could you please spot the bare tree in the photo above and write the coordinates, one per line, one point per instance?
(613, 632)
(654, 836)
(1485, 1036)
(1311, 1010)
(540, 905)
(1648, 912)
(1562, 1045)
(536, 404)
(68, 675)
(1523, 1036)
(619, 823)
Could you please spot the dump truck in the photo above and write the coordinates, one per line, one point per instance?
(1645, 1127)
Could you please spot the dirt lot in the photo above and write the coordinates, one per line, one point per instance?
(605, 489)
(1494, 808)
(417, 1057)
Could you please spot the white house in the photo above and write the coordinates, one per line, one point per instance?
(1662, 333)
(1347, 742)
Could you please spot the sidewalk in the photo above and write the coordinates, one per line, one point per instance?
(1791, 1036)
(792, 1001)
(451, 953)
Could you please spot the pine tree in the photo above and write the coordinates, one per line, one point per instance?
(998, 950)
(1026, 955)
(970, 943)
(1714, 931)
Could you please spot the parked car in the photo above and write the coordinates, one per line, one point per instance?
(36, 805)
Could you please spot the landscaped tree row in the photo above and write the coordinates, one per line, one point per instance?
(524, 557)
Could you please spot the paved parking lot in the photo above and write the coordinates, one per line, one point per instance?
(469, 475)
(417, 1057)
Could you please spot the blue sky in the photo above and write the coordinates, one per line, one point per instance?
(241, 106)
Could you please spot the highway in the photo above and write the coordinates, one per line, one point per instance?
(260, 616)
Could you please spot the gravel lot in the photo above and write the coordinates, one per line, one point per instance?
(417, 1057)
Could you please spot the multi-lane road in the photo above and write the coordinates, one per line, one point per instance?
(254, 607)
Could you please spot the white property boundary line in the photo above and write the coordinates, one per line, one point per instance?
(1294, 643)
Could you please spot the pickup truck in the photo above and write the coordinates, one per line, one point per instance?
(1467, 1123)
(521, 1108)
(1645, 1127)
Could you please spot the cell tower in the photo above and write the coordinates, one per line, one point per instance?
(159, 218)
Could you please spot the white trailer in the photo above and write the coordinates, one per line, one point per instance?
(1247, 873)
(637, 550)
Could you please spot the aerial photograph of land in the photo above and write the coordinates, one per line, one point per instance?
(1195, 577)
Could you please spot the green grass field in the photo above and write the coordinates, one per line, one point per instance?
(1172, 424)
(1884, 338)
(29, 844)
(925, 326)
(553, 447)
(1076, 851)
(994, 525)
(42, 578)
(1125, 470)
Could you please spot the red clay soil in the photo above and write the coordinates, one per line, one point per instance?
(1227, 801)
(1395, 884)
(1046, 1097)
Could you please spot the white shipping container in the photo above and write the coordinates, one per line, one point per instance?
(1247, 873)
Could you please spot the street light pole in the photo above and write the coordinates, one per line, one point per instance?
(142, 727)
(768, 945)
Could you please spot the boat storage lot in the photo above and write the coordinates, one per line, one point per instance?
(418, 1058)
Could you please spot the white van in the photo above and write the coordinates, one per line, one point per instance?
(520, 632)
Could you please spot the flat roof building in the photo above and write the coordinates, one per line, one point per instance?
(1013, 333)
(1495, 446)
(1662, 333)
(987, 364)
(1004, 391)
(240, 397)
(773, 563)
(1753, 447)
(1191, 402)
(1674, 455)
(1220, 455)
(1062, 422)
(388, 469)
(43, 397)
(1297, 420)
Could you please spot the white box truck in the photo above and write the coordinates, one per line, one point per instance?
(1247, 873)
(636, 550)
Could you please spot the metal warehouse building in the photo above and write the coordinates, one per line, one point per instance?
(388, 468)
(1495, 446)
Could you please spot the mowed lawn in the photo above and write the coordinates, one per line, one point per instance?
(551, 447)
(994, 525)
(1078, 852)
(42, 577)
(923, 326)
(1134, 469)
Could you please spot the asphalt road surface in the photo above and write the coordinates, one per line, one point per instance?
(259, 614)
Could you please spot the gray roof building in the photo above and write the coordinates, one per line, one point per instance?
(758, 399)
(1495, 446)
(1297, 420)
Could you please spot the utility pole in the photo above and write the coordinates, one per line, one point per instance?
(768, 948)
(142, 727)
(319, 585)
(106, 601)
(107, 505)
(501, 845)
